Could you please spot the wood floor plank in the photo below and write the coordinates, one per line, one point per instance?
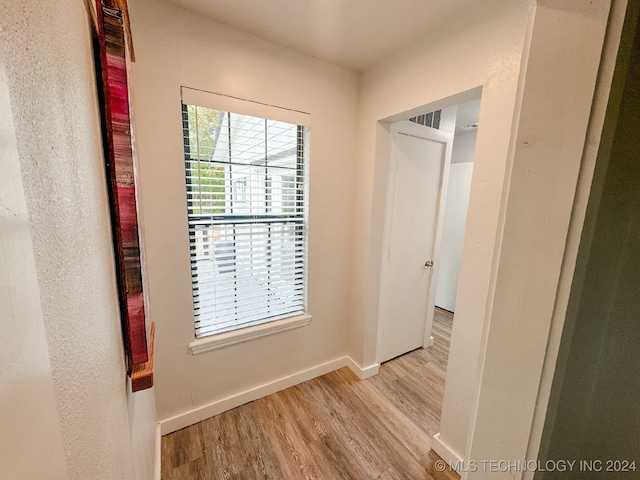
(356, 423)
(198, 469)
(182, 447)
(300, 411)
(332, 427)
(333, 459)
(261, 457)
(221, 436)
(344, 433)
(381, 425)
(407, 432)
(289, 446)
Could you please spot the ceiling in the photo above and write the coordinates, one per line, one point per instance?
(467, 115)
(353, 34)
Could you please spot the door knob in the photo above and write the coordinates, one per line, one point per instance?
(428, 264)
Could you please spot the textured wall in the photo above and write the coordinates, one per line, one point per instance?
(29, 425)
(175, 47)
(107, 433)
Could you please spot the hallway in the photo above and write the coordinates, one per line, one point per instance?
(331, 427)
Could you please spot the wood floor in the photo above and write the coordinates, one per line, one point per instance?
(332, 427)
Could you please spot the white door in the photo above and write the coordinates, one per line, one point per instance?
(420, 158)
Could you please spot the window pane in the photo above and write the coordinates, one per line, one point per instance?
(246, 203)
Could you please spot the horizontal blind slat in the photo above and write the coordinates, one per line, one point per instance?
(213, 291)
(248, 308)
(246, 202)
(210, 329)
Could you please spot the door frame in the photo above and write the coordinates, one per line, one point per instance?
(405, 127)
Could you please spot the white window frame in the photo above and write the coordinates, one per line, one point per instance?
(267, 326)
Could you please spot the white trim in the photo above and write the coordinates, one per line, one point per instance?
(220, 101)
(432, 341)
(362, 372)
(158, 453)
(445, 451)
(221, 340)
(203, 412)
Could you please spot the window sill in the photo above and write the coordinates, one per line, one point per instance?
(221, 340)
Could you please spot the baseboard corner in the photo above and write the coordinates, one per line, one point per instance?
(444, 451)
(362, 372)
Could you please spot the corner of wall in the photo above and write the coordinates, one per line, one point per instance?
(444, 450)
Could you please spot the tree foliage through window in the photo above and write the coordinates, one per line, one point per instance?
(204, 131)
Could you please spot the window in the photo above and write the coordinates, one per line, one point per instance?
(246, 200)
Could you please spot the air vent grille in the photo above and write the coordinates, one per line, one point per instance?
(431, 119)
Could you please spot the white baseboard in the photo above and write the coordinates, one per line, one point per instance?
(445, 451)
(198, 414)
(362, 372)
(158, 453)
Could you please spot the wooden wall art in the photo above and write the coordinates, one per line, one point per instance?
(112, 44)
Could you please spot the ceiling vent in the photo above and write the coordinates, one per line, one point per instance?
(431, 119)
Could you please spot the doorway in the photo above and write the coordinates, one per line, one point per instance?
(428, 192)
(419, 163)
(457, 204)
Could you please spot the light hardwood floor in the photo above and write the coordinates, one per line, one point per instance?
(332, 427)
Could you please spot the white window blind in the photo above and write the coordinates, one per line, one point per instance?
(246, 200)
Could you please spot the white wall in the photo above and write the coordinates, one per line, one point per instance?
(482, 49)
(175, 47)
(455, 219)
(92, 426)
(558, 81)
(29, 424)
